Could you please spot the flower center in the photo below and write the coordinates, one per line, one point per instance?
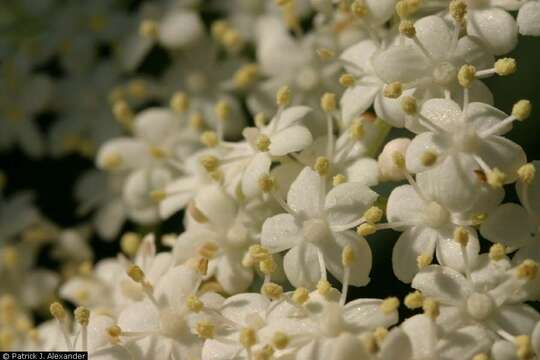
(444, 73)
(465, 139)
(307, 78)
(436, 215)
(315, 230)
(172, 323)
(480, 306)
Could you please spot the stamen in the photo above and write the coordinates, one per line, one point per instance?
(300, 296)
(389, 305)
(179, 102)
(283, 96)
(324, 287)
(524, 348)
(149, 29)
(431, 308)
(82, 316)
(339, 179)
(409, 105)
(414, 300)
(347, 80)
(347, 259)
(57, 310)
(280, 340)
(497, 252)
(526, 173)
(466, 76)
(326, 54)
(205, 329)
(209, 139)
(393, 90)
(129, 243)
(272, 291)
(423, 261)
(380, 334)
(527, 270)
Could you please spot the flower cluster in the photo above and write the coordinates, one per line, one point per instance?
(282, 137)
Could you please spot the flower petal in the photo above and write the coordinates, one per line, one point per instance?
(280, 232)
(304, 194)
(301, 266)
(443, 284)
(528, 17)
(347, 203)
(495, 27)
(292, 139)
(412, 243)
(508, 225)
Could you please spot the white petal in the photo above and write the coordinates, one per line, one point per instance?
(390, 110)
(347, 203)
(154, 125)
(139, 316)
(232, 275)
(364, 171)
(219, 208)
(301, 266)
(425, 142)
(435, 35)
(238, 307)
(442, 112)
(304, 194)
(176, 284)
(404, 204)
(362, 257)
(528, 18)
(422, 332)
(280, 232)
(508, 225)
(347, 347)
(464, 343)
(380, 10)
(396, 345)
(516, 319)
(443, 284)
(179, 28)
(503, 154)
(257, 167)
(495, 27)
(289, 117)
(365, 314)
(449, 251)
(292, 139)
(356, 100)
(110, 218)
(504, 350)
(416, 241)
(483, 116)
(132, 153)
(399, 63)
(535, 338)
(360, 55)
(530, 194)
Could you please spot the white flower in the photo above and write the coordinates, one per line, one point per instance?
(528, 18)
(315, 230)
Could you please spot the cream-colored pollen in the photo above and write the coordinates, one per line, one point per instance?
(248, 337)
(209, 162)
(266, 183)
(86, 268)
(262, 142)
(466, 75)
(414, 300)
(324, 287)
(431, 308)
(461, 236)
(57, 310)
(329, 102)
(223, 110)
(357, 129)
(114, 332)
(379, 335)
(339, 179)
(527, 270)
(458, 10)
(209, 139)
(370, 343)
(526, 173)
(205, 329)
(196, 121)
(389, 305)
(496, 178)
(326, 54)
(136, 274)
(524, 350)
(112, 161)
(232, 40)
(219, 28)
(10, 257)
(156, 152)
(428, 158)
(409, 105)
(373, 215)
(280, 340)
(149, 29)
(179, 102)
(522, 110)
(283, 96)
(505, 66)
(348, 256)
(246, 75)
(260, 120)
(282, 3)
(478, 218)
(272, 290)
(359, 9)
(423, 260)
(122, 112)
(497, 252)
(300, 296)
(322, 165)
(393, 90)
(201, 266)
(366, 229)
(481, 356)
(194, 304)
(258, 252)
(157, 195)
(406, 28)
(208, 250)
(82, 315)
(265, 353)
(268, 265)
(346, 80)
(399, 160)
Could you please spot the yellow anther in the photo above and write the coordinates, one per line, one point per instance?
(461, 236)
(280, 340)
(322, 165)
(10, 257)
(205, 329)
(373, 215)
(357, 129)
(339, 179)
(266, 183)
(272, 290)
(389, 305)
(522, 110)
(326, 54)
(179, 102)
(359, 8)
(262, 142)
(116, 94)
(246, 75)
(137, 89)
(223, 110)
(393, 90)
(406, 28)
(268, 266)
(136, 274)
(527, 270)
(458, 10)
(300, 295)
(57, 310)
(258, 253)
(505, 66)
(208, 250)
(428, 158)
(497, 252)
(114, 332)
(86, 267)
(414, 300)
(324, 287)
(328, 102)
(283, 96)
(232, 40)
(524, 350)
(423, 260)
(157, 195)
(406, 8)
(248, 337)
(348, 256)
(156, 152)
(478, 218)
(466, 75)
(149, 29)
(366, 229)
(209, 139)
(526, 173)
(219, 28)
(112, 161)
(209, 162)
(380, 334)
(409, 105)
(260, 120)
(431, 308)
(122, 112)
(82, 315)
(496, 178)
(346, 80)
(370, 344)
(196, 213)
(481, 356)
(265, 353)
(196, 121)
(201, 266)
